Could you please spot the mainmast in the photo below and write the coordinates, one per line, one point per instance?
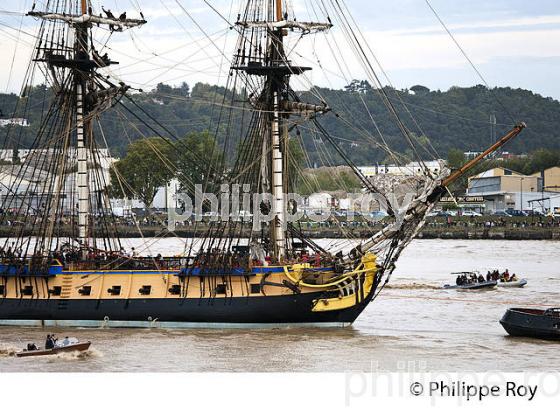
(270, 62)
(81, 49)
(277, 85)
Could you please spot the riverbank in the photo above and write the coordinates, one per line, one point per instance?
(436, 228)
(490, 233)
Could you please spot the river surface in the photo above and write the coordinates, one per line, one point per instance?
(412, 325)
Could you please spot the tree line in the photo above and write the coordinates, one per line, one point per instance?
(361, 124)
(441, 124)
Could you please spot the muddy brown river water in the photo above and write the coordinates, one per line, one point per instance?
(413, 325)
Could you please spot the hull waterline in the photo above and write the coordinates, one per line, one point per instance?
(237, 312)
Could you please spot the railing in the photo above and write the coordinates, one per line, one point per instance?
(124, 263)
(48, 266)
(11, 265)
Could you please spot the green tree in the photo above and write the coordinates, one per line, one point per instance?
(420, 89)
(199, 160)
(328, 179)
(542, 159)
(148, 165)
(456, 118)
(296, 160)
(455, 158)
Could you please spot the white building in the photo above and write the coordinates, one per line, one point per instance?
(410, 169)
(166, 196)
(101, 157)
(22, 122)
(320, 201)
(33, 179)
(124, 207)
(30, 187)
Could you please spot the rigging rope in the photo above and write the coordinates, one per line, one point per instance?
(477, 71)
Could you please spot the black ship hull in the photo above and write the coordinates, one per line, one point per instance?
(534, 323)
(262, 311)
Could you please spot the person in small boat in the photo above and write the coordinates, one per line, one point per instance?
(513, 278)
(488, 276)
(480, 278)
(66, 341)
(49, 343)
(506, 276)
(31, 347)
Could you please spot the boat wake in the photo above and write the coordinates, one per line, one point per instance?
(75, 356)
(413, 286)
(7, 351)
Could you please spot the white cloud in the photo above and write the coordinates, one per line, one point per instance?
(532, 22)
(167, 51)
(438, 50)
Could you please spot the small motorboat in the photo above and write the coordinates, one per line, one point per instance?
(536, 323)
(471, 281)
(489, 284)
(73, 347)
(505, 278)
(513, 284)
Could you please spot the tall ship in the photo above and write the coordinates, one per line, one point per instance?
(63, 263)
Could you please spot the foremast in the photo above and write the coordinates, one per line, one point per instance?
(89, 96)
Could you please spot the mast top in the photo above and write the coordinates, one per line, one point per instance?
(279, 10)
(286, 24)
(280, 21)
(115, 23)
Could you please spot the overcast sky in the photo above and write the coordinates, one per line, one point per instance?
(513, 42)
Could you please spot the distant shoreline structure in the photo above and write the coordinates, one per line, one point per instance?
(434, 229)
